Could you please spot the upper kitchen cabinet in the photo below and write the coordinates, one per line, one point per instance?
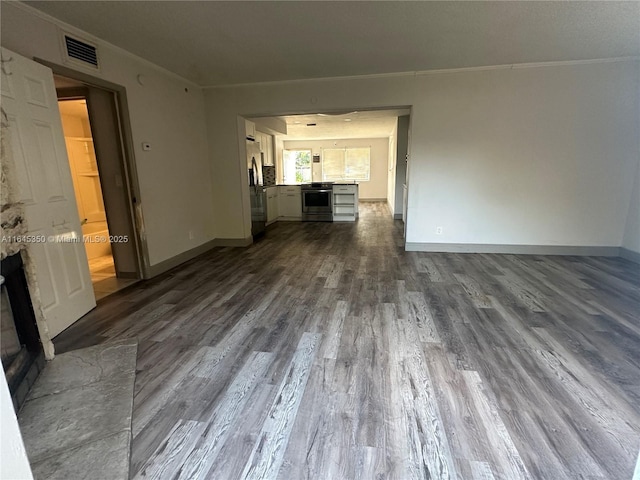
(266, 147)
(250, 128)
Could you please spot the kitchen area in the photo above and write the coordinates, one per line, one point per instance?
(318, 167)
(275, 198)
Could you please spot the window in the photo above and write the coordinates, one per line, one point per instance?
(346, 164)
(297, 166)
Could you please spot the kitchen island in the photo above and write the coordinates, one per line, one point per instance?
(345, 202)
(285, 202)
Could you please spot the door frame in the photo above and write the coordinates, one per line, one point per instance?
(132, 190)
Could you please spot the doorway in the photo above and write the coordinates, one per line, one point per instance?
(89, 198)
(98, 169)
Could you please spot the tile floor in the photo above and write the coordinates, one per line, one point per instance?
(76, 422)
(103, 277)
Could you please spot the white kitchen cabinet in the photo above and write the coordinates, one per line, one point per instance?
(345, 203)
(250, 128)
(290, 202)
(272, 204)
(260, 140)
(266, 147)
(268, 156)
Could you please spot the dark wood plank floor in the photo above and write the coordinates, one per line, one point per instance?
(324, 351)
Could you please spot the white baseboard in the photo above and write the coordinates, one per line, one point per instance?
(168, 264)
(514, 249)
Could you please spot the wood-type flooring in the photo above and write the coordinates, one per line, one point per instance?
(325, 351)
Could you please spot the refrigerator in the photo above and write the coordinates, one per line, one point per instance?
(257, 190)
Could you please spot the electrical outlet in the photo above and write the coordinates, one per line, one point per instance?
(191, 235)
(438, 230)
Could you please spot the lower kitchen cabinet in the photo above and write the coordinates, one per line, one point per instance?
(345, 203)
(272, 204)
(289, 202)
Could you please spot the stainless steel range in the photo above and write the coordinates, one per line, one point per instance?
(317, 202)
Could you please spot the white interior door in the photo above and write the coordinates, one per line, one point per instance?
(46, 190)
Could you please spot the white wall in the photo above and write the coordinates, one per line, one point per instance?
(174, 177)
(631, 239)
(376, 187)
(537, 156)
(540, 155)
(14, 464)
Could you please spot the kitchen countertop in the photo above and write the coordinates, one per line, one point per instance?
(308, 183)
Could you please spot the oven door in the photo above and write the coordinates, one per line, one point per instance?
(316, 201)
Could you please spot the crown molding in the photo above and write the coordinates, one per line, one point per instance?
(19, 4)
(441, 71)
(68, 28)
(518, 66)
(316, 79)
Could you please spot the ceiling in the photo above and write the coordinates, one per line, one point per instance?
(219, 43)
(341, 125)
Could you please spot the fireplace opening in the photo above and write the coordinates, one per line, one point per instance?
(21, 351)
(10, 342)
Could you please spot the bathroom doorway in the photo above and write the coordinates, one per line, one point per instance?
(89, 198)
(102, 185)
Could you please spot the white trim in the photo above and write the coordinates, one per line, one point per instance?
(517, 66)
(166, 265)
(156, 269)
(588, 251)
(419, 73)
(317, 79)
(77, 31)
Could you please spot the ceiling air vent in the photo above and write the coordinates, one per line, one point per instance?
(79, 51)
